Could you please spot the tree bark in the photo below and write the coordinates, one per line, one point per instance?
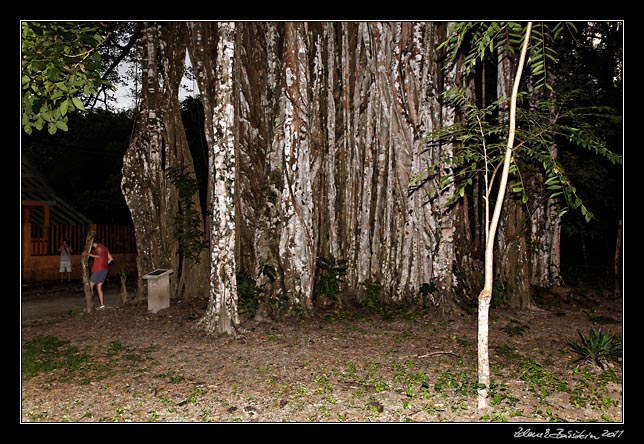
(260, 176)
(544, 225)
(85, 273)
(618, 261)
(329, 144)
(323, 128)
(159, 143)
(216, 83)
(296, 236)
(512, 271)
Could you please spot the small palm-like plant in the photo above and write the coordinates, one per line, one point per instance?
(598, 348)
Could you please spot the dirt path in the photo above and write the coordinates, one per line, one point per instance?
(50, 300)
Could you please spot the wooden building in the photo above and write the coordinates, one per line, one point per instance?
(47, 219)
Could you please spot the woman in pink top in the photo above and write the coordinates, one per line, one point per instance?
(100, 267)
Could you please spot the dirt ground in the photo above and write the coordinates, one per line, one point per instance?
(344, 366)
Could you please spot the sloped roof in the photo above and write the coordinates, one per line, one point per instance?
(34, 187)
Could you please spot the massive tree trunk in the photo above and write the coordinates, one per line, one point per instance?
(212, 51)
(544, 238)
(293, 141)
(260, 178)
(511, 254)
(333, 123)
(315, 132)
(159, 143)
(545, 223)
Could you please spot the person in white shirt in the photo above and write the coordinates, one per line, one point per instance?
(65, 260)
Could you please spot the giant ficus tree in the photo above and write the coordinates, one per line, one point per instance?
(314, 132)
(158, 157)
(331, 129)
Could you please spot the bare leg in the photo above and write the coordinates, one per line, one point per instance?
(99, 290)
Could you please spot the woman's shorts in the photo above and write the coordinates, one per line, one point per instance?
(98, 277)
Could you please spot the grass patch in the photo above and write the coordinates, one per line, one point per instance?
(43, 354)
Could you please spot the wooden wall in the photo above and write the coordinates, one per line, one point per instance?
(46, 268)
(41, 260)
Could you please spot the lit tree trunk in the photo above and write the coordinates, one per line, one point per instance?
(544, 238)
(347, 159)
(144, 182)
(363, 183)
(85, 273)
(545, 241)
(216, 85)
(296, 237)
(349, 121)
(330, 167)
(159, 143)
(394, 240)
(328, 151)
(260, 168)
(486, 294)
(444, 219)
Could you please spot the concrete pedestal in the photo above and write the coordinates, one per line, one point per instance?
(158, 289)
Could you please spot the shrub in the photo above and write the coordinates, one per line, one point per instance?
(598, 348)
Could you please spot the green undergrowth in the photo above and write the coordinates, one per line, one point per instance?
(59, 360)
(438, 387)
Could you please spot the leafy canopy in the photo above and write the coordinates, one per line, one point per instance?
(60, 65)
(543, 121)
(477, 40)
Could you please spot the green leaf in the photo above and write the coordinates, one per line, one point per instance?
(78, 103)
(63, 107)
(62, 124)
